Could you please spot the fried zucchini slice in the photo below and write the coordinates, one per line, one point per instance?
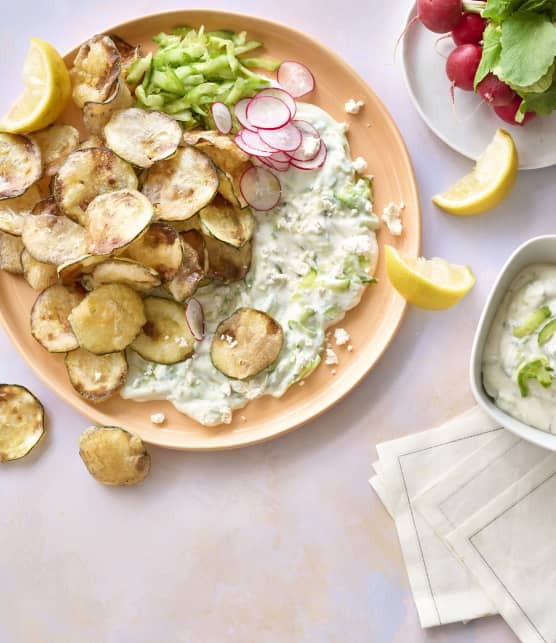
(165, 338)
(226, 263)
(116, 219)
(13, 211)
(192, 269)
(96, 377)
(20, 164)
(73, 270)
(127, 272)
(246, 343)
(52, 239)
(114, 456)
(142, 137)
(128, 53)
(92, 141)
(49, 317)
(227, 223)
(108, 319)
(159, 248)
(37, 274)
(194, 223)
(10, 253)
(95, 70)
(46, 206)
(87, 173)
(96, 115)
(55, 142)
(180, 186)
(21, 421)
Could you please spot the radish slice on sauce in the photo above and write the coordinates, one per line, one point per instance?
(260, 188)
(239, 141)
(279, 166)
(254, 140)
(222, 117)
(240, 111)
(316, 162)
(267, 112)
(295, 78)
(195, 318)
(284, 139)
(310, 142)
(280, 94)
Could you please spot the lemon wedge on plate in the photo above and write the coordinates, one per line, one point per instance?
(433, 284)
(47, 90)
(488, 183)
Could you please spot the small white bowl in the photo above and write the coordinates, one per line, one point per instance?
(537, 250)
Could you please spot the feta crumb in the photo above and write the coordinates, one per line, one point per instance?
(344, 127)
(181, 341)
(98, 375)
(226, 413)
(359, 165)
(341, 336)
(226, 389)
(302, 383)
(232, 343)
(350, 348)
(392, 219)
(333, 371)
(158, 418)
(331, 357)
(353, 106)
(243, 418)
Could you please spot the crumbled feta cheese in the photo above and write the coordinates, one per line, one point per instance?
(158, 418)
(333, 371)
(331, 357)
(226, 389)
(243, 418)
(232, 343)
(310, 146)
(226, 414)
(181, 341)
(392, 219)
(341, 336)
(350, 348)
(353, 106)
(302, 383)
(359, 165)
(344, 127)
(359, 245)
(98, 375)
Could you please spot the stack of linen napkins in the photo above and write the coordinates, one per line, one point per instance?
(475, 510)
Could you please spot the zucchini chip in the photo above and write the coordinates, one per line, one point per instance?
(47, 206)
(226, 263)
(95, 70)
(127, 272)
(10, 254)
(21, 421)
(96, 115)
(55, 142)
(128, 53)
(192, 269)
(87, 173)
(165, 338)
(159, 248)
(20, 164)
(49, 317)
(142, 137)
(52, 239)
(92, 141)
(114, 456)
(180, 186)
(96, 377)
(194, 223)
(73, 270)
(14, 211)
(108, 319)
(115, 219)
(246, 343)
(37, 274)
(227, 223)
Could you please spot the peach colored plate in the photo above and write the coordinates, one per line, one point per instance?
(372, 325)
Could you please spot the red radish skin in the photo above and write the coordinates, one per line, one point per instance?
(469, 30)
(195, 318)
(495, 92)
(462, 65)
(440, 16)
(507, 113)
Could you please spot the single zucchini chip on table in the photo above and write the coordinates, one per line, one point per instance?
(21, 421)
(13, 211)
(96, 115)
(55, 142)
(10, 253)
(46, 206)
(87, 173)
(95, 70)
(115, 219)
(20, 164)
(37, 274)
(114, 456)
(53, 239)
(192, 269)
(73, 270)
(128, 272)
(180, 186)
(165, 338)
(227, 223)
(246, 343)
(159, 248)
(226, 263)
(108, 319)
(49, 317)
(142, 137)
(96, 377)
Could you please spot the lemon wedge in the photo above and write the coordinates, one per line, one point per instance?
(433, 284)
(47, 90)
(488, 183)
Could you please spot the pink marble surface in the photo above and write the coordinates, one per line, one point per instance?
(282, 542)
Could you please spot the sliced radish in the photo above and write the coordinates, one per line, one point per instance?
(240, 110)
(314, 163)
(279, 166)
(285, 139)
(238, 140)
(222, 117)
(281, 157)
(310, 142)
(254, 140)
(195, 318)
(260, 188)
(267, 112)
(280, 94)
(295, 78)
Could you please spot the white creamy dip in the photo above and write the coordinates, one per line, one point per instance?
(514, 367)
(313, 256)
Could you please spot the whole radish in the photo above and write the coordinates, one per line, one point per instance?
(462, 65)
(440, 16)
(507, 112)
(495, 92)
(469, 30)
